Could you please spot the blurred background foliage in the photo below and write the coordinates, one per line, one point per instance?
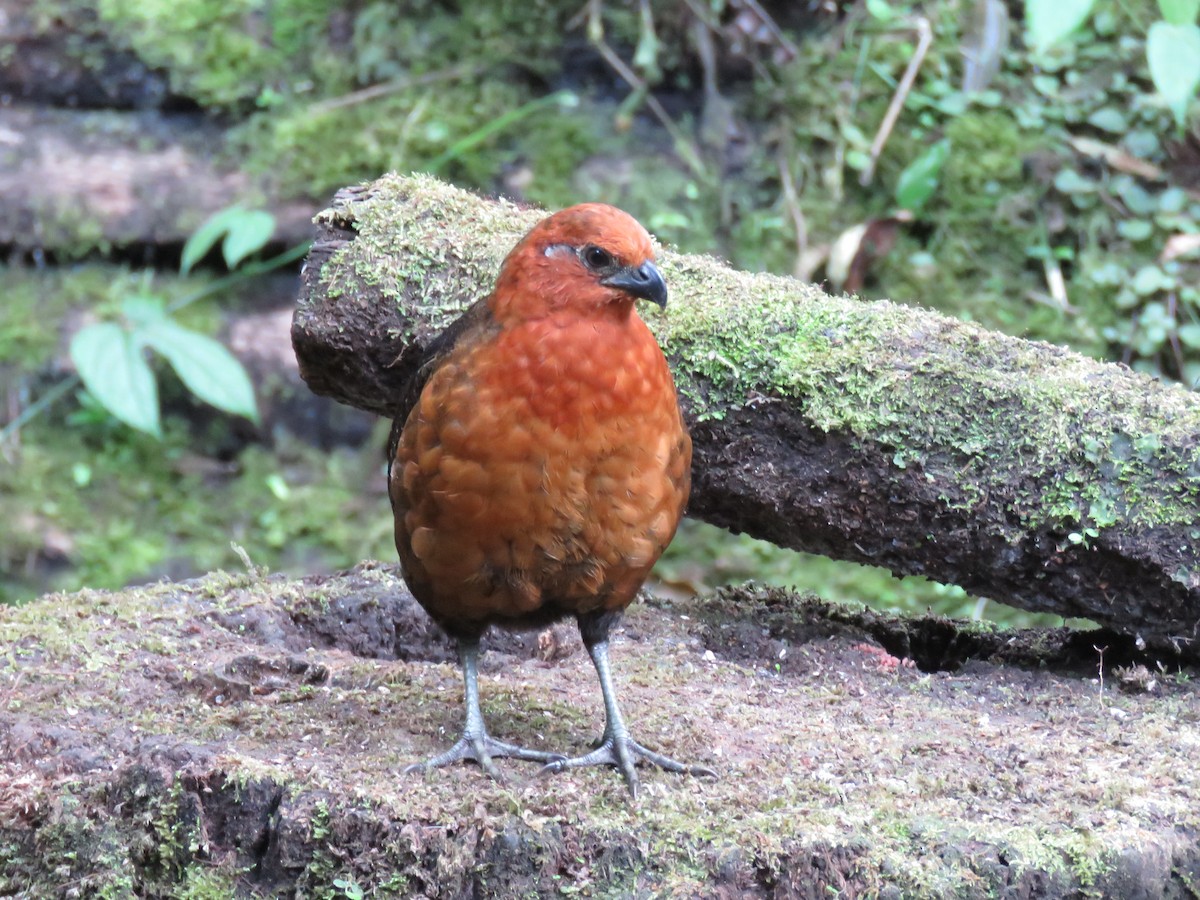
(1022, 166)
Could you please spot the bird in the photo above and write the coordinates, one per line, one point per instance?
(539, 464)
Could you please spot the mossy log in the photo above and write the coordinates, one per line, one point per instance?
(240, 736)
(873, 432)
(74, 181)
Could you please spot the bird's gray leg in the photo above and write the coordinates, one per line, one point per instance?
(476, 744)
(616, 747)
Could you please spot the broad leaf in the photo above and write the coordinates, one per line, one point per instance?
(208, 370)
(1049, 21)
(881, 10)
(142, 309)
(918, 182)
(113, 369)
(206, 236)
(1173, 52)
(249, 232)
(1190, 335)
(244, 231)
(1179, 12)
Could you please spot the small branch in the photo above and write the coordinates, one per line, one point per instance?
(924, 40)
(391, 87)
(792, 201)
(47, 399)
(683, 146)
(891, 436)
(771, 25)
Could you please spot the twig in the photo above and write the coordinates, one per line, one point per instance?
(1055, 282)
(1100, 668)
(391, 87)
(791, 199)
(682, 145)
(1117, 158)
(772, 26)
(1173, 335)
(924, 40)
(47, 399)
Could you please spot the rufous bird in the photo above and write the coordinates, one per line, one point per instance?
(539, 463)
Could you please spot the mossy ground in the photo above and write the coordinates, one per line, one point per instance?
(141, 728)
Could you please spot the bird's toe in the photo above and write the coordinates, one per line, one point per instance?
(623, 753)
(480, 749)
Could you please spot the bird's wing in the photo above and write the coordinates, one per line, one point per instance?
(476, 320)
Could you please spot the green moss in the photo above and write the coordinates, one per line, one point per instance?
(864, 369)
(223, 54)
(928, 389)
(34, 302)
(984, 220)
(137, 514)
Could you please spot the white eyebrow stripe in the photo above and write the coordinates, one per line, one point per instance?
(560, 250)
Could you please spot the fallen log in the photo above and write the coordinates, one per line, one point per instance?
(67, 59)
(872, 432)
(74, 181)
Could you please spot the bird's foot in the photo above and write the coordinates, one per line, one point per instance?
(623, 753)
(481, 749)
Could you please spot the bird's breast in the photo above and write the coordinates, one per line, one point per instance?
(550, 461)
(583, 373)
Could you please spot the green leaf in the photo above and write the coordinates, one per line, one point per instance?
(881, 10)
(1173, 53)
(1109, 118)
(1190, 335)
(205, 237)
(1135, 229)
(1149, 280)
(244, 231)
(1172, 200)
(1179, 12)
(141, 309)
(918, 182)
(1068, 181)
(208, 370)
(249, 232)
(1049, 21)
(114, 371)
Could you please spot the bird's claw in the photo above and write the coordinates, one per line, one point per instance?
(481, 749)
(622, 753)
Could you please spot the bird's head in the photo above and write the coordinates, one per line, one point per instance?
(585, 258)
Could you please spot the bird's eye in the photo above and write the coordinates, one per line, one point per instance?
(596, 258)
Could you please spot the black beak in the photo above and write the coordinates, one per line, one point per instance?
(645, 282)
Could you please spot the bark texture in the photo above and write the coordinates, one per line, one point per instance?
(872, 432)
